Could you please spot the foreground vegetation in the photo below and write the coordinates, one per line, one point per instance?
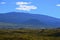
(29, 34)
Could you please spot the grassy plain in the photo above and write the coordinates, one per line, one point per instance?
(29, 34)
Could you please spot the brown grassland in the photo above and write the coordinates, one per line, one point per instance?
(29, 34)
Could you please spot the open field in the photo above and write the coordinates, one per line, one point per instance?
(29, 34)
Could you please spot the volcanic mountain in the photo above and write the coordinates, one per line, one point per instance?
(35, 20)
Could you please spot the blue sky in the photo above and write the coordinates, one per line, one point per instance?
(45, 7)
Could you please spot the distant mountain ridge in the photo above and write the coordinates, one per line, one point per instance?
(29, 19)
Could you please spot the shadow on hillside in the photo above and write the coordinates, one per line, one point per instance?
(55, 34)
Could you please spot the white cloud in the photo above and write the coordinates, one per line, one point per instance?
(58, 5)
(25, 6)
(19, 3)
(2, 2)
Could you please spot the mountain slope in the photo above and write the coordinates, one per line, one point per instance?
(26, 18)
